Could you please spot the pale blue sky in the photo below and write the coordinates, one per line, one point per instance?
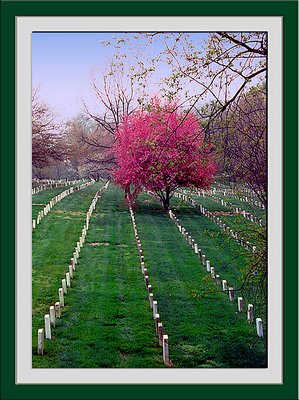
(62, 63)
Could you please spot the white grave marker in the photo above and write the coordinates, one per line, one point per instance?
(160, 333)
(63, 283)
(208, 265)
(68, 279)
(151, 299)
(240, 304)
(157, 320)
(250, 312)
(61, 297)
(71, 271)
(259, 327)
(52, 316)
(40, 341)
(165, 350)
(47, 326)
(57, 310)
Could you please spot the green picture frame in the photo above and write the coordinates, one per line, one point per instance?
(289, 11)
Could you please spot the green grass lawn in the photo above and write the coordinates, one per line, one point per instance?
(257, 211)
(213, 206)
(107, 321)
(229, 258)
(247, 229)
(207, 203)
(203, 326)
(53, 244)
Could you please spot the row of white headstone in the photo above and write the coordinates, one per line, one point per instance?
(236, 195)
(239, 189)
(226, 229)
(49, 181)
(56, 200)
(55, 311)
(248, 215)
(163, 339)
(51, 184)
(210, 269)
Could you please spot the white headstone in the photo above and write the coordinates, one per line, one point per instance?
(52, 316)
(151, 299)
(160, 333)
(71, 271)
(61, 297)
(57, 309)
(208, 266)
(240, 304)
(231, 294)
(250, 312)
(157, 320)
(146, 280)
(165, 349)
(68, 279)
(63, 283)
(40, 341)
(259, 327)
(199, 254)
(224, 285)
(47, 326)
(212, 272)
(73, 264)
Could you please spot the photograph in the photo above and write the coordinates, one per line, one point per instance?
(149, 199)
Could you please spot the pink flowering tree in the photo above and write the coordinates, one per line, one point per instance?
(161, 149)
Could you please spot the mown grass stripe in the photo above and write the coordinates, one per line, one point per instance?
(203, 327)
(52, 248)
(107, 321)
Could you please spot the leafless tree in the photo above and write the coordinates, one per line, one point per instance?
(89, 147)
(47, 137)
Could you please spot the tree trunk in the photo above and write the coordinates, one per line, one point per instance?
(127, 191)
(166, 199)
